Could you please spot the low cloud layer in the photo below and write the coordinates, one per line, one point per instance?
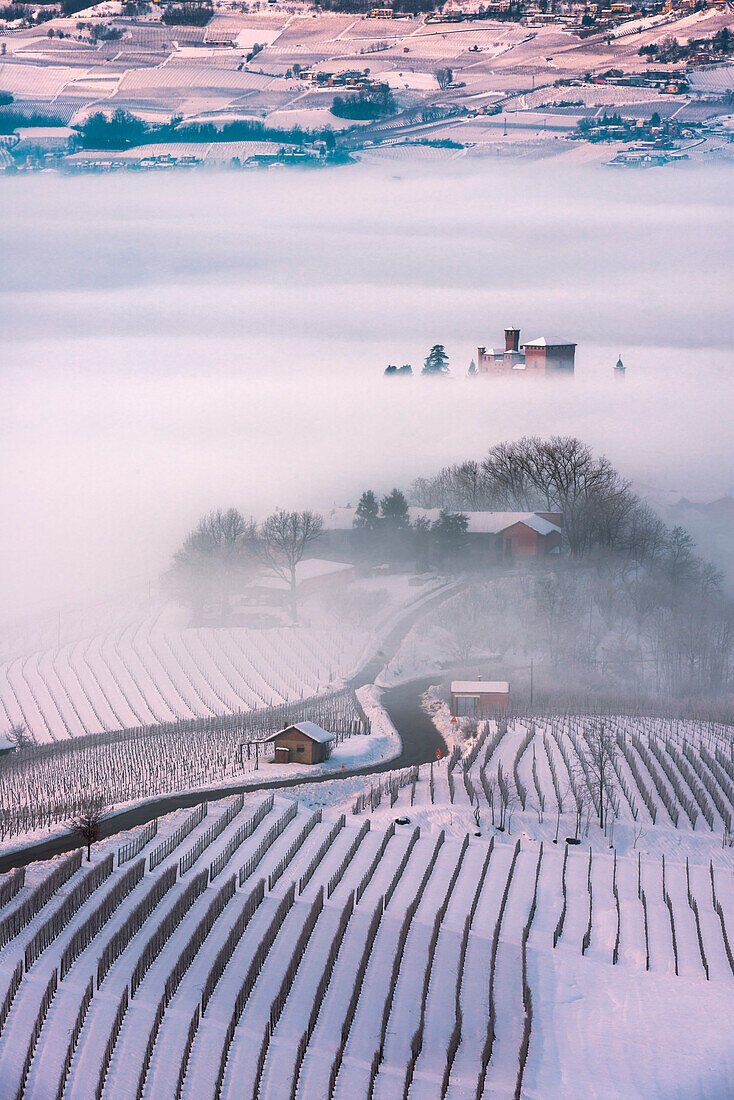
(176, 343)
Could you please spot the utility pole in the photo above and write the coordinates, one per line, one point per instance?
(531, 683)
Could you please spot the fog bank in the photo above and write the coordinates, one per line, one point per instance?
(173, 343)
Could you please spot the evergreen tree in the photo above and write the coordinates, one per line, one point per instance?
(394, 509)
(368, 511)
(450, 532)
(437, 361)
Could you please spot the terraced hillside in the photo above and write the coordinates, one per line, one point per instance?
(259, 947)
(145, 675)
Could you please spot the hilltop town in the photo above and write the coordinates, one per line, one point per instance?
(146, 85)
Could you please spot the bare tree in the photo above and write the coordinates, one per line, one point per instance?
(508, 800)
(217, 554)
(559, 811)
(87, 824)
(599, 754)
(20, 736)
(283, 540)
(580, 806)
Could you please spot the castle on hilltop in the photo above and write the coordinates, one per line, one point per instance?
(537, 357)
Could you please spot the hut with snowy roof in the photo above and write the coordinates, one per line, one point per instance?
(301, 743)
(479, 698)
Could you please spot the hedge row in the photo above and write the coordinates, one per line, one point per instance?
(320, 853)
(367, 876)
(13, 883)
(48, 996)
(261, 954)
(320, 993)
(347, 858)
(356, 990)
(135, 846)
(311, 822)
(226, 951)
(74, 1037)
(180, 967)
(489, 1041)
(527, 997)
(165, 929)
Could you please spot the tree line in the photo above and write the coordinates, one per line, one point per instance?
(123, 130)
(436, 364)
(384, 533)
(560, 474)
(629, 596)
(366, 104)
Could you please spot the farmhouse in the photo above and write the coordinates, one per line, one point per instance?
(539, 357)
(301, 743)
(491, 537)
(479, 698)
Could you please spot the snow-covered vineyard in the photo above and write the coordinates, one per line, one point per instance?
(667, 772)
(258, 947)
(46, 785)
(144, 675)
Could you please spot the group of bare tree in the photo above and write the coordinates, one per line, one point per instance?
(560, 474)
(225, 551)
(637, 601)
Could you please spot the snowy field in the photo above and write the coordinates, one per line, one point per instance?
(259, 947)
(140, 676)
(152, 670)
(159, 71)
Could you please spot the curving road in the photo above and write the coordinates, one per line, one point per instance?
(420, 740)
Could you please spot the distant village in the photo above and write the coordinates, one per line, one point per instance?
(131, 85)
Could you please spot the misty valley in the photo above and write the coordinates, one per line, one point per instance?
(367, 645)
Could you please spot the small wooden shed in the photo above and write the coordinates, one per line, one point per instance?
(301, 743)
(479, 698)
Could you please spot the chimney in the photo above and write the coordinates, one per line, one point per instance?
(512, 339)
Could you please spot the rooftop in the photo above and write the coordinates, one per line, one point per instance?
(309, 729)
(541, 342)
(480, 687)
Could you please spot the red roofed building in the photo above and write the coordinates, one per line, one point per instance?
(301, 743)
(538, 357)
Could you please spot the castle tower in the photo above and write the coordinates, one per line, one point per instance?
(512, 339)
